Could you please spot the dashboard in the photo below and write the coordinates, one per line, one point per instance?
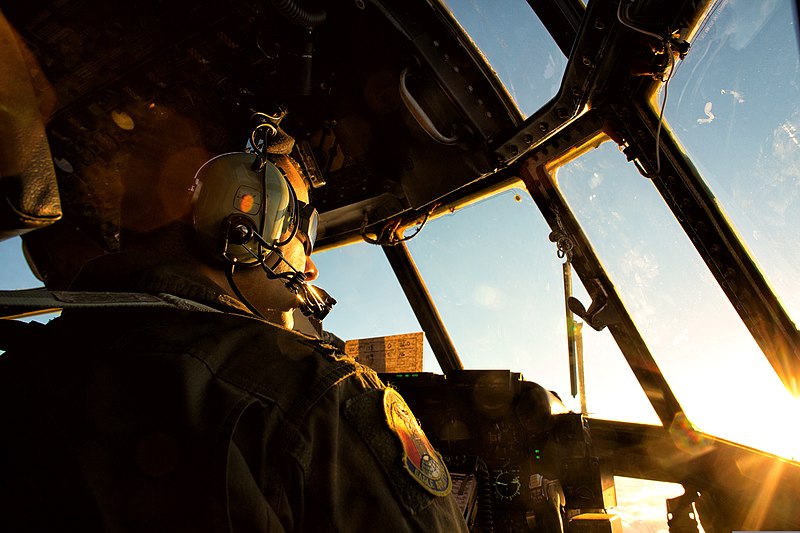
(519, 460)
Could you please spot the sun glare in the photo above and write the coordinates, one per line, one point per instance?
(765, 416)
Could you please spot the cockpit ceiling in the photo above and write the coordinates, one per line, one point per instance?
(114, 66)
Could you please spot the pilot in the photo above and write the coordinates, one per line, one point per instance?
(172, 393)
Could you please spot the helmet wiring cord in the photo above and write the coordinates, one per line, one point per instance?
(311, 302)
(293, 279)
(666, 42)
(238, 293)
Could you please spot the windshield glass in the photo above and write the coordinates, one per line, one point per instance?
(696, 337)
(497, 282)
(508, 34)
(370, 302)
(734, 104)
(16, 274)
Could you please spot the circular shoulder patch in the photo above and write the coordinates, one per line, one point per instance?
(419, 458)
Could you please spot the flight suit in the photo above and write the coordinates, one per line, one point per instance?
(201, 417)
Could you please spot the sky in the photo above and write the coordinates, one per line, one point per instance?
(15, 273)
(496, 277)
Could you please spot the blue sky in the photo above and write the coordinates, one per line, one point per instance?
(15, 271)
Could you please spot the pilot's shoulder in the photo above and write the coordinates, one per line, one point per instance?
(279, 364)
(332, 357)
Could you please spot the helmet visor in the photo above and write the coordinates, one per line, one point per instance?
(307, 226)
(279, 222)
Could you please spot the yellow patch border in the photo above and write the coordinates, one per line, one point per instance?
(420, 459)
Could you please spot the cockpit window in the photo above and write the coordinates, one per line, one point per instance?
(370, 300)
(505, 36)
(16, 274)
(716, 370)
(734, 104)
(497, 282)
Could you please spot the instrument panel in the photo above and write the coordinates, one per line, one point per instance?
(519, 460)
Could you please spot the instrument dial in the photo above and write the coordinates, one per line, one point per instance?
(506, 484)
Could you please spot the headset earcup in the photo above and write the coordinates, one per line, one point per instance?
(226, 187)
(257, 196)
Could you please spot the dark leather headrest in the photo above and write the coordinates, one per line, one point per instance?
(28, 191)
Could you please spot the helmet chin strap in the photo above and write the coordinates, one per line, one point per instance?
(313, 302)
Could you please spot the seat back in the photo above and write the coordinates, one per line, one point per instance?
(28, 190)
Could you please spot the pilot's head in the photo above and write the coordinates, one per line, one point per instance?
(163, 189)
(253, 216)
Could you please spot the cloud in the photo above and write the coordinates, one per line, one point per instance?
(640, 266)
(641, 504)
(709, 114)
(791, 134)
(779, 174)
(489, 297)
(746, 20)
(739, 97)
(639, 270)
(550, 68)
(681, 337)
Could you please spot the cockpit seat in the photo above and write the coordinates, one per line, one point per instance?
(28, 191)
